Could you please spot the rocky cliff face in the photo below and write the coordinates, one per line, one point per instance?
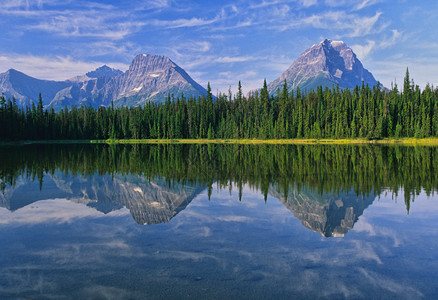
(149, 78)
(149, 202)
(327, 63)
(332, 215)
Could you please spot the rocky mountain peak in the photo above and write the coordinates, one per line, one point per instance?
(149, 78)
(325, 64)
(104, 71)
(147, 63)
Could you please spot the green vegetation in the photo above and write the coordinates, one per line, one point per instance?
(365, 169)
(402, 141)
(365, 113)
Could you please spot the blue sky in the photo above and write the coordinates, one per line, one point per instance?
(219, 42)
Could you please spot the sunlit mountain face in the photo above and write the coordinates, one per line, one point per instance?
(326, 64)
(150, 78)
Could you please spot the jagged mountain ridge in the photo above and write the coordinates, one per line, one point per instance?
(149, 78)
(325, 64)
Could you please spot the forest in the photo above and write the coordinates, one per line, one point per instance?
(362, 112)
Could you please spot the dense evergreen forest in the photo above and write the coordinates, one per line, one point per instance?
(364, 112)
(364, 169)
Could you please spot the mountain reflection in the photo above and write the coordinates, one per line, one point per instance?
(149, 202)
(326, 187)
(332, 215)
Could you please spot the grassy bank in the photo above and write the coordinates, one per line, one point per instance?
(404, 141)
(401, 141)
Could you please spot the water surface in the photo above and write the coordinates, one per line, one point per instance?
(218, 222)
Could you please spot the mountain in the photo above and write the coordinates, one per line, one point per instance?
(26, 89)
(330, 214)
(149, 78)
(82, 89)
(104, 71)
(327, 63)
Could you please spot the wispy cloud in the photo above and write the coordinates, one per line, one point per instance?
(52, 68)
(265, 4)
(153, 4)
(235, 59)
(308, 3)
(387, 42)
(363, 51)
(23, 4)
(179, 23)
(366, 3)
(73, 25)
(348, 25)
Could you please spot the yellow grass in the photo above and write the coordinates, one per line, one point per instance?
(404, 141)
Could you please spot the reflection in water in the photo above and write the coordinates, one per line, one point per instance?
(226, 244)
(326, 187)
(157, 201)
(332, 215)
(149, 202)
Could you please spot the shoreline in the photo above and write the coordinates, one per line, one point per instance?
(391, 141)
(402, 141)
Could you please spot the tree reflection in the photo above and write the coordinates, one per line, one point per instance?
(363, 170)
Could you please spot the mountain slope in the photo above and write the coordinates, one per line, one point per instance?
(82, 89)
(327, 63)
(26, 89)
(149, 78)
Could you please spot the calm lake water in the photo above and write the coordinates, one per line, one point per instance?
(218, 222)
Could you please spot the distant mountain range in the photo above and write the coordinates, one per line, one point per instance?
(149, 78)
(325, 64)
(154, 77)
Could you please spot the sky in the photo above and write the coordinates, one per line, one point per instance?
(220, 42)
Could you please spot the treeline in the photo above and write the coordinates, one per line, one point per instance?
(323, 169)
(365, 112)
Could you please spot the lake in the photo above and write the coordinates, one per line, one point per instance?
(171, 221)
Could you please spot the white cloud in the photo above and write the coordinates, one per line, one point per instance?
(362, 51)
(156, 4)
(239, 219)
(349, 25)
(52, 211)
(387, 42)
(193, 46)
(279, 11)
(179, 23)
(23, 4)
(366, 3)
(51, 68)
(265, 4)
(362, 26)
(308, 3)
(234, 59)
(83, 25)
